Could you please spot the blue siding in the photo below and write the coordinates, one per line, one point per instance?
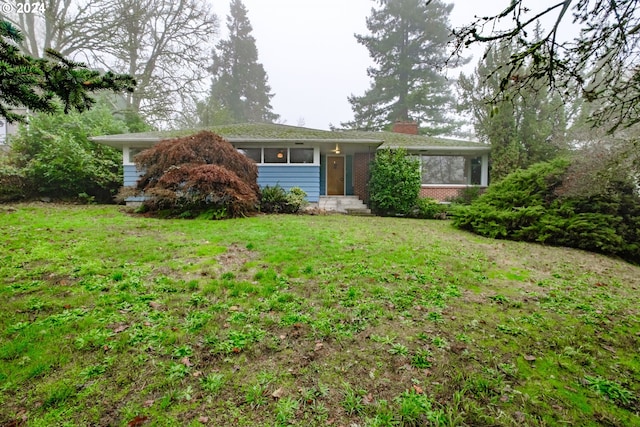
(305, 177)
(323, 174)
(131, 175)
(349, 176)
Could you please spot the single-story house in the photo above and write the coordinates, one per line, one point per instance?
(328, 164)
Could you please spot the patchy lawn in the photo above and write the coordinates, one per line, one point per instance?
(112, 319)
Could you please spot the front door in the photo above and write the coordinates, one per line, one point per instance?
(335, 176)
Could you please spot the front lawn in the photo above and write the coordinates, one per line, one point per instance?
(113, 319)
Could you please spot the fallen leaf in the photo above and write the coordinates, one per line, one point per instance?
(418, 389)
(137, 421)
(283, 337)
(234, 308)
(504, 398)
(529, 358)
(278, 393)
(155, 305)
(121, 329)
(609, 348)
(186, 362)
(197, 374)
(148, 403)
(203, 419)
(319, 346)
(368, 399)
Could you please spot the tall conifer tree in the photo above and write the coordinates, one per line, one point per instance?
(407, 41)
(240, 84)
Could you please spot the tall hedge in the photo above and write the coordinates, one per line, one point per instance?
(395, 182)
(526, 206)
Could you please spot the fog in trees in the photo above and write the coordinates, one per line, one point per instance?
(240, 92)
(407, 41)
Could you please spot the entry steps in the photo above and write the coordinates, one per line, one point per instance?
(351, 205)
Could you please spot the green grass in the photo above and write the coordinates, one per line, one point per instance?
(113, 319)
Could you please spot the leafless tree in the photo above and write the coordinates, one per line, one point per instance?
(165, 44)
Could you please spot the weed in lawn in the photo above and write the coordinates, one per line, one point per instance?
(610, 389)
(177, 371)
(198, 300)
(422, 359)
(93, 371)
(439, 342)
(352, 401)
(285, 410)
(511, 330)
(94, 339)
(417, 410)
(499, 299)
(182, 351)
(399, 350)
(256, 395)
(212, 383)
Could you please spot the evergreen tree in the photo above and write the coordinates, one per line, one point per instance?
(407, 41)
(240, 87)
(526, 125)
(39, 84)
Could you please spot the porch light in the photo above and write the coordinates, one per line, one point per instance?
(280, 155)
(337, 149)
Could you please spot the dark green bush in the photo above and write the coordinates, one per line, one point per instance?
(56, 159)
(427, 208)
(277, 200)
(13, 183)
(467, 195)
(395, 182)
(526, 206)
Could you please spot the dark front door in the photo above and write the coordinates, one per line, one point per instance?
(335, 176)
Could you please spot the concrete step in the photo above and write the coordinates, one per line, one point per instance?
(341, 203)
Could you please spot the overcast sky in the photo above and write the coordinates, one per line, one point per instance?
(312, 58)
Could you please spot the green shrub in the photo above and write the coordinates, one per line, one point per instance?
(467, 195)
(13, 183)
(525, 206)
(395, 182)
(55, 158)
(277, 200)
(427, 208)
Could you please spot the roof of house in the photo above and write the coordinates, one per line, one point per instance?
(252, 132)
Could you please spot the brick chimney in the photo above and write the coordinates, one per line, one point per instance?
(410, 128)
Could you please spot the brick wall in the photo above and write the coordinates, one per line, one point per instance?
(440, 193)
(410, 128)
(361, 163)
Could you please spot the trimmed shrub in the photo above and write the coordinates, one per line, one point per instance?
(199, 173)
(277, 200)
(526, 206)
(427, 208)
(395, 182)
